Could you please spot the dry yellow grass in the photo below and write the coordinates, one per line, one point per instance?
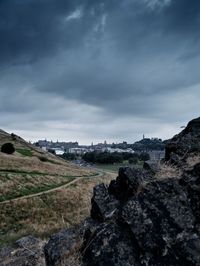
(48, 213)
(22, 184)
(17, 161)
(31, 164)
(19, 175)
(193, 159)
(167, 170)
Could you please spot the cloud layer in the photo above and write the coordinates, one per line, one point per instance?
(91, 70)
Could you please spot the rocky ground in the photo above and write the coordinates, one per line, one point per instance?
(138, 220)
(185, 144)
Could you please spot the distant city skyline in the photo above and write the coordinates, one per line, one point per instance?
(89, 142)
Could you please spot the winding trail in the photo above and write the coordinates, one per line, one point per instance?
(77, 178)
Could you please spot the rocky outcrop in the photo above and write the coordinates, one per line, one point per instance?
(26, 251)
(182, 145)
(137, 223)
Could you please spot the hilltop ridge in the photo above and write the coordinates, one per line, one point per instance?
(28, 157)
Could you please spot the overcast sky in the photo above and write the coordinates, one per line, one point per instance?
(90, 70)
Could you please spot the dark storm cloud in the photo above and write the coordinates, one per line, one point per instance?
(31, 29)
(183, 17)
(120, 59)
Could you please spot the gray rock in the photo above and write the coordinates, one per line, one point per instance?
(104, 205)
(151, 167)
(27, 251)
(110, 245)
(127, 183)
(62, 248)
(183, 144)
(27, 241)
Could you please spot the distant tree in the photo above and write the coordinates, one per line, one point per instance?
(133, 160)
(127, 155)
(43, 159)
(13, 136)
(144, 156)
(8, 148)
(68, 156)
(103, 157)
(52, 151)
(89, 157)
(37, 144)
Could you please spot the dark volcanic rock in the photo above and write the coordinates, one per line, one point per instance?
(151, 167)
(111, 245)
(127, 183)
(156, 224)
(62, 246)
(27, 251)
(185, 143)
(191, 182)
(105, 200)
(104, 205)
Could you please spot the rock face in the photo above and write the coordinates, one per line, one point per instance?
(151, 224)
(185, 143)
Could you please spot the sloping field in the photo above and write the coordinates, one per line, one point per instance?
(48, 213)
(31, 170)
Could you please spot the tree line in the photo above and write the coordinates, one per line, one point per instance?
(115, 157)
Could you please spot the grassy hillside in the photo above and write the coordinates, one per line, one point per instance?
(31, 170)
(48, 213)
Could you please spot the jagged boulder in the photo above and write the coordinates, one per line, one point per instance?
(128, 182)
(185, 143)
(104, 205)
(152, 224)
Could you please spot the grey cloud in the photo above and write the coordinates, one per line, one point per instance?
(30, 29)
(99, 61)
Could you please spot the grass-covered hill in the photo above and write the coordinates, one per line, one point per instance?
(30, 170)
